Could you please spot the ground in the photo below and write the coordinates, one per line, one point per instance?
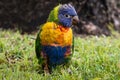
(94, 58)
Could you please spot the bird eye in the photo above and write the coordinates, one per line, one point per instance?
(67, 16)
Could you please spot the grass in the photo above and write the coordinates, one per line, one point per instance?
(95, 58)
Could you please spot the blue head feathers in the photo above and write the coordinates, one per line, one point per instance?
(67, 15)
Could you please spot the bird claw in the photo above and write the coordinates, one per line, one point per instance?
(46, 71)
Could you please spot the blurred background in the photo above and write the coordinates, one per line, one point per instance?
(96, 16)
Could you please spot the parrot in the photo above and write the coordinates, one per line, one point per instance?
(54, 42)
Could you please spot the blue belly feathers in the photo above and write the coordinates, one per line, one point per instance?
(54, 54)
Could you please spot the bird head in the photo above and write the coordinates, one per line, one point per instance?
(64, 15)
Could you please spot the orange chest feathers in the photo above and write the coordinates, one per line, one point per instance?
(53, 34)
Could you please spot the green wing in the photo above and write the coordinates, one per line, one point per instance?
(38, 46)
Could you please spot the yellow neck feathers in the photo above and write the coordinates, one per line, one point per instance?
(55, 35)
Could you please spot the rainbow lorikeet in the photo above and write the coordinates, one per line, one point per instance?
(53, 44)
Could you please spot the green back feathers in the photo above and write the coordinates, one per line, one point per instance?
(53, 16)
